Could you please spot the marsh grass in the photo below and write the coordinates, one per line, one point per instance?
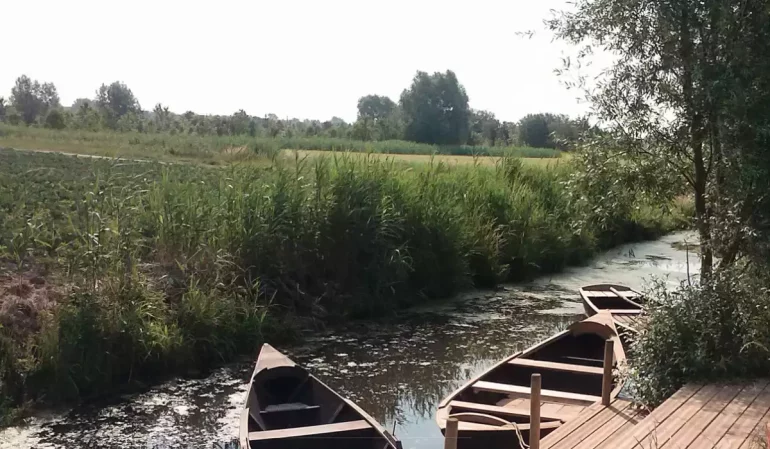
(164, 268)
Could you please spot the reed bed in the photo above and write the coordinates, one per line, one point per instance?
(121, 271)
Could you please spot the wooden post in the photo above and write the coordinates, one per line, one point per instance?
(534, 412)
(607, 375)
(450, 434)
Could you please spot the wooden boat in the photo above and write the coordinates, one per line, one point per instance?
(287, 407)
(617, 299)
(622, 302)
(571, 367)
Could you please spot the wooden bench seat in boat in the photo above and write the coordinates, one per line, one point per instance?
(508, 411)
(556, 366)
(290, 407)
(311, 431)
(292, 414)
(596, 362)
(560, 396)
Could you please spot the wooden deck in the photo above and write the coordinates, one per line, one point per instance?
(717, 416)
(596, 427)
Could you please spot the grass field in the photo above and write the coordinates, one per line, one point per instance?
(223, 150)
(487, 161)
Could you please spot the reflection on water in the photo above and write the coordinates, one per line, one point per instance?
(397, 372)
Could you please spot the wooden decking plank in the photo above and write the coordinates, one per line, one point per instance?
(592, 425)
(620, 433)
(348, 426)
(719, 426)
(757, 434)
(556, 366)
(670, 426)
(702, 418)
(570, 426)
(561, 396)
(630, 415)
(737, 434)
(545, 414)
(659, 415)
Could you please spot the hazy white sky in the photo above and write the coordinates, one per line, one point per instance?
(305, 59)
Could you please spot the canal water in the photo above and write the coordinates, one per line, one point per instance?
(398, 371)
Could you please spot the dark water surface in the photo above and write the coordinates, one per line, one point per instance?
(397, 372)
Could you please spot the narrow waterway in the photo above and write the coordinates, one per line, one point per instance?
(397, 372)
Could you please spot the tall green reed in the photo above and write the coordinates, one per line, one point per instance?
(163, 268)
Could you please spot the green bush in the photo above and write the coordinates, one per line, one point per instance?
(703, 333)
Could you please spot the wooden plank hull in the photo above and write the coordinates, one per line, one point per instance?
(569, 364)
(287, 407)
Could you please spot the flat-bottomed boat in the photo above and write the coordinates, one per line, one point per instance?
(287, 407)
(493, 407)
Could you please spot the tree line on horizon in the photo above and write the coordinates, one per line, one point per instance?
(433, 110)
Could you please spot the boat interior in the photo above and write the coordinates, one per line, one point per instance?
(289, 408)
(571, 369)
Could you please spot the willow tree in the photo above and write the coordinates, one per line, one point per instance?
(688, 91)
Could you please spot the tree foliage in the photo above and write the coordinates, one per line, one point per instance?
(55, 119)
(378, 119)
(375, 107)
(115, 102)
(485, 128)
(533, 129)
(32, 99)
(438, 105)
(689, 88)
(546, 130)
(435, 109)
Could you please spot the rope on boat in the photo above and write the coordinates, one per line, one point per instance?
(518, 435)
(509, 425)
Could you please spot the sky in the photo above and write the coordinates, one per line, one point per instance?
(305, 59)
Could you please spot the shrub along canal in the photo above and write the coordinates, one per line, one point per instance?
(398, 371)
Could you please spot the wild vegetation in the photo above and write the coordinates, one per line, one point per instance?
(686, 99)
(119, 271)
(213, 149)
